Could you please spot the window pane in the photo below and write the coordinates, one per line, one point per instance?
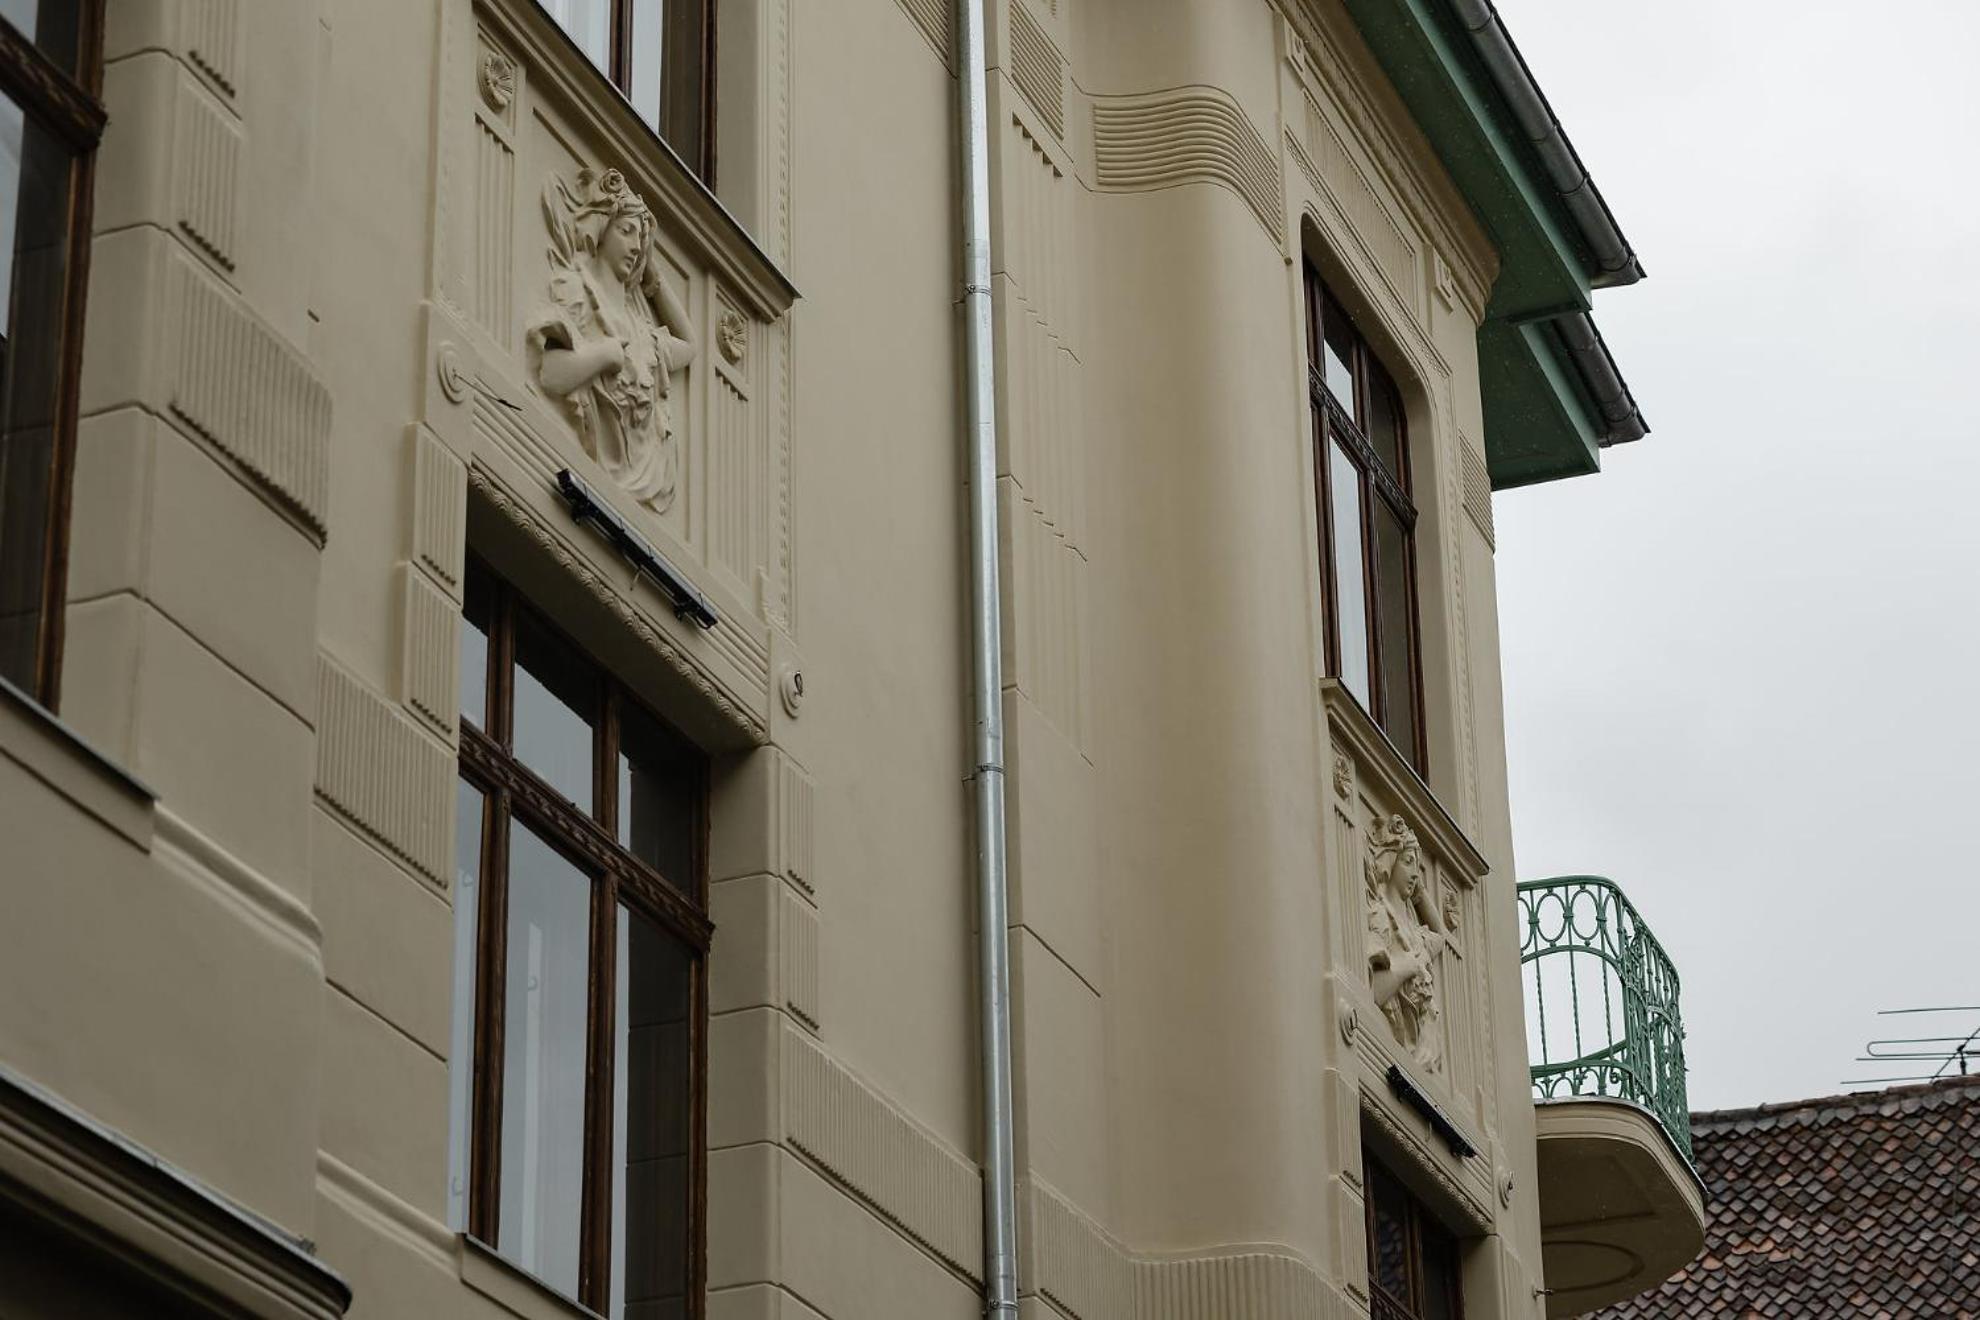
(668, 45)
(658, 783)
(460, 1053)
(1392, 619)
(55, 26)
(545, 1012)
(556, 697)
(1383, 424)
(477, 613)
(1388, 1243)
(1441, 1281)
(34, 228)
(1338, 367)
(650, 38)
(1350, 590)
(651, 1123)
(590, 24)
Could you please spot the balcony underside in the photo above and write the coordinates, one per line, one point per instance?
(1620, 1209)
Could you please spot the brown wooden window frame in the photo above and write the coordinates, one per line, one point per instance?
(1380, 488)
(1422, 1232)
(698, 156)
(677, 906)
(69, 107)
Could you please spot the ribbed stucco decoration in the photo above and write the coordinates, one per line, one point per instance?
(374, 766)
(239, 384)
(878, 1154)
(1088, 1275)
(936, 20)
(1477, 487)
(206, 155)
(210, 32)
(1193, 134)
(1037, 68)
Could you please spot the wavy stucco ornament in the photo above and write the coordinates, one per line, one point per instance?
(1406, 932)
(612, 333)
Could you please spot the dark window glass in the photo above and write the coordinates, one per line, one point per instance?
(37, 175)
(556, 697)
(656, 800)
(1412, 1259)
(658, 53)
(1361, 458)
(652, 1124)
(54, 26)
(579, 976)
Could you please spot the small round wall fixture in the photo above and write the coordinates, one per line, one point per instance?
(791, 689)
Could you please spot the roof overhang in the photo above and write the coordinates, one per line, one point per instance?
(1553, 397)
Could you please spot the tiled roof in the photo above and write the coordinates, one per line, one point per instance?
(1864, 1206)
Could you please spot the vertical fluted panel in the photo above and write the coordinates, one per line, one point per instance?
(798, 958)
(210, 34)
(876, 1153)
(206, 156)
(240, 385)
(439, 531)
(432, 670)
(795, 814)
(494, 224)
(1037, 68)
(737, 488)
(383, 775)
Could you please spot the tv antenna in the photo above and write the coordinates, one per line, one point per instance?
(1952, 1056)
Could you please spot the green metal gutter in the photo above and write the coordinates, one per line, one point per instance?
(1552, 395)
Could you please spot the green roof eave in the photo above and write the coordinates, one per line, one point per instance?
(1540, 425)
(1541, 270)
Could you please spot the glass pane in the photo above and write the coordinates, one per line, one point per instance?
(1350, 589)
(590, 24)
(556, 697)
(1441, 1281)
(477, 613)
(460, 1053)
(1338, 366)
(649, 50)
(1383, 424)
(652, 1106)
(658, 787)
(1388, 1242)
(545, 1015)
(55, 26)
(668, 42)
(34, 230)
(1392, 619)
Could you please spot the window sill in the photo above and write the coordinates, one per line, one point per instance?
(1379, 760)
(509, 1285)
(59, 757)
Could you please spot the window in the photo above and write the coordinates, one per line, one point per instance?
(1412, 1260)
(1367, 523)
(50, 119)
(580, 944)
(661, 55)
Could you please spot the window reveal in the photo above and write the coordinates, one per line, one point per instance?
(581, 938)
(660, 54)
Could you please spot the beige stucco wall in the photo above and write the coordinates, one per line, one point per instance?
(318, 242)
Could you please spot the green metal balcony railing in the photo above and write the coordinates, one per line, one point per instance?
(1601, 1000)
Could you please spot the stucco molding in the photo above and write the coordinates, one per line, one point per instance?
(1172, 137)
(184, 848)
(381, 772)
(487, 487)
(64, 1167)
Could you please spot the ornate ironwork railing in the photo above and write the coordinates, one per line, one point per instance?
(1601, 1000)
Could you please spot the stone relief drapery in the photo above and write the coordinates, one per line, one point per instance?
(612, 332)
(1406, 932)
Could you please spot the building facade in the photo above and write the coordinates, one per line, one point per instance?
(487, 752)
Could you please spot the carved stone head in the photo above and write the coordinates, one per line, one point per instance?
(610, 222)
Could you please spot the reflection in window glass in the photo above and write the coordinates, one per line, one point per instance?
(35, 172)
(544, 1033)
(460, 1052)
(475, 615)
(1350, 587)
(1383, 422)
(1398, 713)
(650, 38)
(589, 23)
(651, 1112)
(556, 694)
(1389, 1250)
(1440, 1274)
(656, 797)
(1339, 355)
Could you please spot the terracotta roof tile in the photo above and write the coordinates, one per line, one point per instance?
(1864, 1205)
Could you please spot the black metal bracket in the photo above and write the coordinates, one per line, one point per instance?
(586, 507)
(1412, 1095)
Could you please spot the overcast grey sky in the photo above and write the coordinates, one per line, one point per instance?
(1741, 664)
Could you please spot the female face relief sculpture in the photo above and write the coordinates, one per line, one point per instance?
(612, 332)
(1406, 932)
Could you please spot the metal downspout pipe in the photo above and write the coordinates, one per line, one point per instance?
(1000, 1277)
